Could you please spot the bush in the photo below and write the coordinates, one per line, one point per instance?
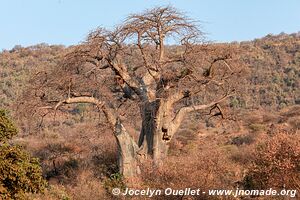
(276, 164)
(7, 128)
(116, 180)
(19, 173)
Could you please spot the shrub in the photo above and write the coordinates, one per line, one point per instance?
(7, 128)
(276, 164)
(116, 180)
(19, 173)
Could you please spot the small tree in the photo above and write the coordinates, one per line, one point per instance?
(19, 173)
(132, 66)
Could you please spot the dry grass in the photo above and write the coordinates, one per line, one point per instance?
(200, 157)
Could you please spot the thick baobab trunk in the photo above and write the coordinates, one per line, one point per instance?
(154, 138)
(164, 131)
(148, 115)
(127, 152)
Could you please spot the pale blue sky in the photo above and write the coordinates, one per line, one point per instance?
(28, 22)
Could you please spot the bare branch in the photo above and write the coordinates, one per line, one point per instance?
(183, 111)
(109, 112)
(220, 111)
(155, 25)
(211, 67)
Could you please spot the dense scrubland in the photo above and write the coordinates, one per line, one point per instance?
(255, 145)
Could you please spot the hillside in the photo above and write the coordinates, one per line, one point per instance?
(271, 65)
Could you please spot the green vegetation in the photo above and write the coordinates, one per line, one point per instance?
(19, 172)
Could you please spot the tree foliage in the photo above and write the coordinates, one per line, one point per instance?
(7, 128)
(19, 172)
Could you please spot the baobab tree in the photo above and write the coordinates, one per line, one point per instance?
(133, 64)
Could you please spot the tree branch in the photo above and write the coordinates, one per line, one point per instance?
(183, 111)
(131, 81)
(109, 112)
